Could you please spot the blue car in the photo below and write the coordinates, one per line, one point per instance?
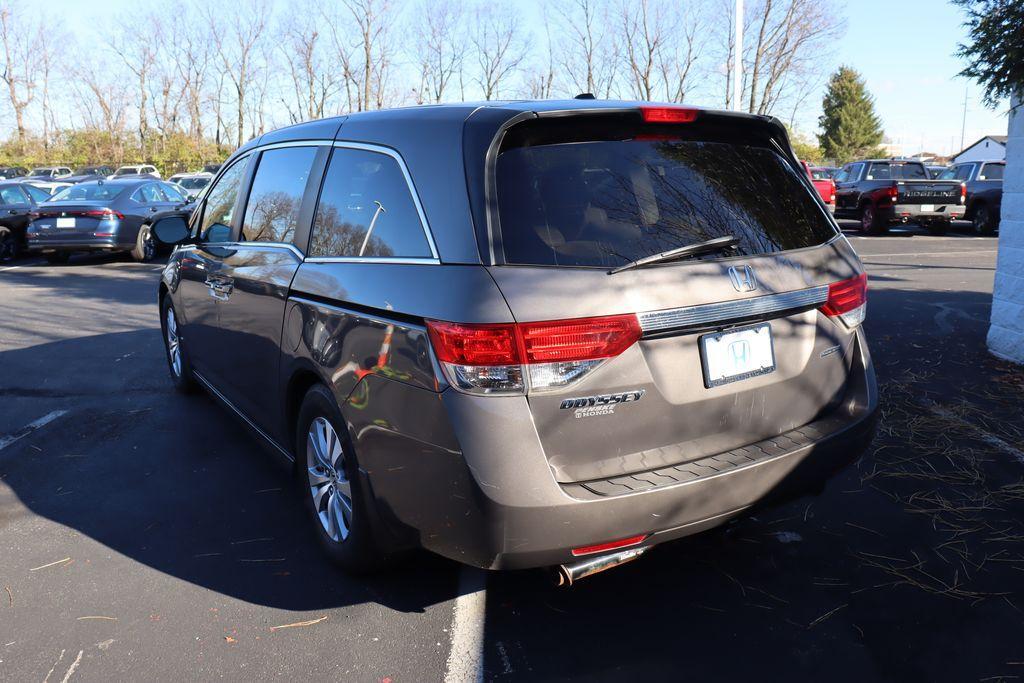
(105, 215)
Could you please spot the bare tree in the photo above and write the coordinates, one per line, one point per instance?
(367, 60)
(587, 54)
(497, 46)
(19, 65)
(541, 80)
(786, 42)
(236, 38)
(192, 63)
(645, 28)
(679, 58)
(439, 49)
(313, 82)
(139, 57)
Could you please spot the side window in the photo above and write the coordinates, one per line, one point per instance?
(272, 211)
(10, 195)
(171, 192)
(964, 172)
(220, 204)
(879, 172)
(948, 174)
(843, 175)
(37, 194)
(992, 172)
(366, 209)
(150, 194)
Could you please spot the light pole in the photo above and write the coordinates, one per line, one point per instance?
(737, 59)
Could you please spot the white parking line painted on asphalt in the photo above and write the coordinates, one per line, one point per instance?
(21, 265)
(6, 441)
(466, 657)
(987, 437)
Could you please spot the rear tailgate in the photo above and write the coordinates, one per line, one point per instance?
(570, 212)
(936, 192)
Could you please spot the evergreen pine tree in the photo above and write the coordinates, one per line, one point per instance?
(850, 128)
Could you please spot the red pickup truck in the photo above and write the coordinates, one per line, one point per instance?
(823, 183)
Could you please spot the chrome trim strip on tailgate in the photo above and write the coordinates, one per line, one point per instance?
(691, 316)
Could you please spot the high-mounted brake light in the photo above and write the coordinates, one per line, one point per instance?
(669, 114)
(508, 357)
(848, 300)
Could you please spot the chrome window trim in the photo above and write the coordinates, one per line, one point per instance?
(368, 259)
(723, 312)
(246, 245)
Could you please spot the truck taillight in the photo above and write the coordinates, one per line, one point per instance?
(848, 300)
(893, 192)
(963, 193)
(514, 357)
(832, 191)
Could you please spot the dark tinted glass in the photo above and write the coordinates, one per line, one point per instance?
(88, 192)
(992, 172)
(172, 193)
(607, 203)
(11, 195)
(36, 194)
(276, 196)
(366, 210)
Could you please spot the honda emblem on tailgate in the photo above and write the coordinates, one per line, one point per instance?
(742, 278)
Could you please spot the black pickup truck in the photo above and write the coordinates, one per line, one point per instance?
(881, 192)
(984, 180)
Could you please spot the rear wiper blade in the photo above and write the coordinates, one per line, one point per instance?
(707, 247)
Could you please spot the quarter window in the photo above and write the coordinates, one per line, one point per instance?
(220, 204)
(11, 196)
(36, 194)
(366, 210)
(276, 196)
(992, 172)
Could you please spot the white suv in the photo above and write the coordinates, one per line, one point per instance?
(144, 169)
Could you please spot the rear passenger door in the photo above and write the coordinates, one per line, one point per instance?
(255, 275)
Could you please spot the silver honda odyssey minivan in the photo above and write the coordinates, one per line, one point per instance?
(525, 334)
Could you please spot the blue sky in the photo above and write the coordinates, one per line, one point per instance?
(904, 49)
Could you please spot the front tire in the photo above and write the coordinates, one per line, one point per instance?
(328, 480)
(177, 359)
(145, 246)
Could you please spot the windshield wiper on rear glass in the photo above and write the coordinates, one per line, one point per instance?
(717, 244)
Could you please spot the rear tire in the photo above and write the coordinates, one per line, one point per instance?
(145, 247)
(869, 222)
(58, 257)
(177, 358)
(328, 481)
(8, 245)
(983, 220)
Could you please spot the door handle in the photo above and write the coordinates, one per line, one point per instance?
(220, 288)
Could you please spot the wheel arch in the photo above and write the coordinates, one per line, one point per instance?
(301, 380)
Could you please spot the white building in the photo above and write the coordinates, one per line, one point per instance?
(1006, 334)
(989, 148)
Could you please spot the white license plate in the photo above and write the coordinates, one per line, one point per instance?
(65, 222)
(927, 207)
(737, 354)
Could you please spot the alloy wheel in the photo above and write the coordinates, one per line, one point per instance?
(173, 343)
(328, 483)
(867, 220)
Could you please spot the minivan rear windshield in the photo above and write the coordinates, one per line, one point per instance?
(604, 203)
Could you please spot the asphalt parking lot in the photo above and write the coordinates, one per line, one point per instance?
(145, 535)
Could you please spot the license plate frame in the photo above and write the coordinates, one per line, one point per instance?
(65, 223)
(713, 348)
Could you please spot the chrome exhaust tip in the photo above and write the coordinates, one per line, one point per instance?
(568, 574)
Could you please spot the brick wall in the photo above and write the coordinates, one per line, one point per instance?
(1006, 334)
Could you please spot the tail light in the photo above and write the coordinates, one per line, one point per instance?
(514, 357)
(105, 214)
(848, 300)
(832, 192)
(893, 192)
(611, 545)
(963, 193)
(668, 114)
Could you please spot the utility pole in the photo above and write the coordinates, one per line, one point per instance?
(963, 126)
(737, 60)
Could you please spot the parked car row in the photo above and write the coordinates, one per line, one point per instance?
(97, 215)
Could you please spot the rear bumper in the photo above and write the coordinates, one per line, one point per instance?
(76, 244)
(506, 511)
(946, 212)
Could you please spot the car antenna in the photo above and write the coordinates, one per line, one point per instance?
(585, 96)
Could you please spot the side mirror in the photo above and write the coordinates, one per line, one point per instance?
(171, 230)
